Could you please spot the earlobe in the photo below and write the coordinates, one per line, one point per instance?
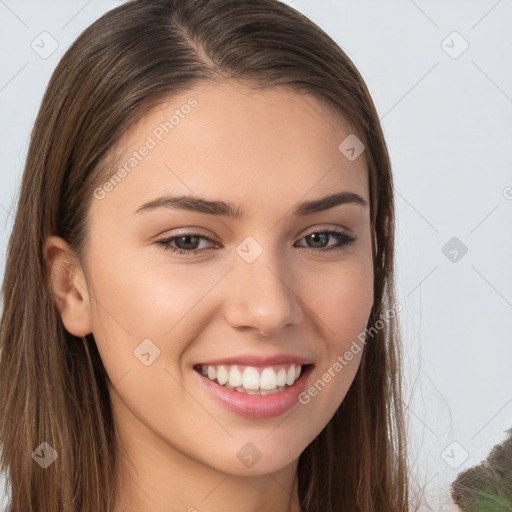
(68, 285)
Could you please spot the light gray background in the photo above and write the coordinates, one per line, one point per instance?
(447, 118)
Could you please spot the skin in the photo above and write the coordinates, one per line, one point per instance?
(264, 151)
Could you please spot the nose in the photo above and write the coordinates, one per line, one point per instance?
(260, 295)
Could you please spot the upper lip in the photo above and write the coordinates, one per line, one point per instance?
(258, 360)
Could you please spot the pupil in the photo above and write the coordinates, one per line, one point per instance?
(316, 235)
(187, 237)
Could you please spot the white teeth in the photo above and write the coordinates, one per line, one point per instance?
(250, 380)
(290, 376)
(281, 377)
(235, 377)
(268, 379)
(222, 375)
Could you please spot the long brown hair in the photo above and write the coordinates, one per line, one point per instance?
(53, 384)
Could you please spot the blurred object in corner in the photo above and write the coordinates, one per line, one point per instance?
(488, 486)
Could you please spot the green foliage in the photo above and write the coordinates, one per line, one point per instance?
(488, 486)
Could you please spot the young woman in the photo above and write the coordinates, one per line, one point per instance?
(199, 306)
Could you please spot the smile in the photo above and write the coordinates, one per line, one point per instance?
(252, 380)
(255, 392)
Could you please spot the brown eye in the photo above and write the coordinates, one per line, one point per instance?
(186, 243)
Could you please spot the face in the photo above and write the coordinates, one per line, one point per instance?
(175, 285)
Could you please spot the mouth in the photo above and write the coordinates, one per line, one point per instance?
(255, 392)
(254, 380)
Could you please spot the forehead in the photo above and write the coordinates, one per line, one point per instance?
(232, 141)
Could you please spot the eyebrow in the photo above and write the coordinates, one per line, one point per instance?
(197, 204)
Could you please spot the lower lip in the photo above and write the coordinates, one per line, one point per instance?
(258, 406)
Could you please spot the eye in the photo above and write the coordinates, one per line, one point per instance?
(319, 237)
(188, 243)
(187, 240)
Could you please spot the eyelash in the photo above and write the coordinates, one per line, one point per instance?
(341, 236)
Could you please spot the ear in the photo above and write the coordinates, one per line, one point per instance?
(69, 286)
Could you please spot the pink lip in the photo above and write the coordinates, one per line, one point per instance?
(253, 360)
(257, 406)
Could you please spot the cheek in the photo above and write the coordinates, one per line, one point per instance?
(136, 299)
(141, 314)
(141, 297)
(341, 302)
(342, 299)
